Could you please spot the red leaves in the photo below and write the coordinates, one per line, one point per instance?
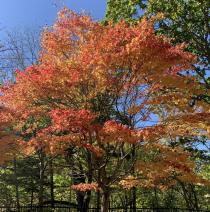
(72, 120)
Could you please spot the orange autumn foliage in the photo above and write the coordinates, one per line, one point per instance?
(164, 169)
(82, 59)
(85, 187)
(8, 144)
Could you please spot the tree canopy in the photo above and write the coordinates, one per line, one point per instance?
(90, 98)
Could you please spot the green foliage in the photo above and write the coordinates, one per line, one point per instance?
(186, 21)
(123, 9)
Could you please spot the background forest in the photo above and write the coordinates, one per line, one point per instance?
(124, 133)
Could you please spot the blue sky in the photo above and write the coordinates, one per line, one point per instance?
(39, 13)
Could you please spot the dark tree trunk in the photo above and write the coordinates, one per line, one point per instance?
(32, 197)
(51, 183)
(41, 178)
(133, 202)
(16, 184)
(133, 191)
(196, 206)
(98, 200)
(105, 201)
(190, 196)
(185, 196)
(78, 176)
(80, 200)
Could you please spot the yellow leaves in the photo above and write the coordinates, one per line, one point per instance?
(129, 182)
(153, 133)
(165, 165)
(208, 131)
(158, 17)
(189, 124)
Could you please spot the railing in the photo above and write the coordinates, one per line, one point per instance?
(70, 209)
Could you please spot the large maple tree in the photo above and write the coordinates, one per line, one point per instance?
(94, 92)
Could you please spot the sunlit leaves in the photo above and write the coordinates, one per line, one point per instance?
(139, 73)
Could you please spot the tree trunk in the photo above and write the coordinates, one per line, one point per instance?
(16, 184)
(133, 202)
(98, 200)
(79, 176)
(32, 198)
(41, 178)
(51, 183)
(190, 196)
(80, 200)
(105, 201)
(133, 191)
(196, 205)
(156, 203)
